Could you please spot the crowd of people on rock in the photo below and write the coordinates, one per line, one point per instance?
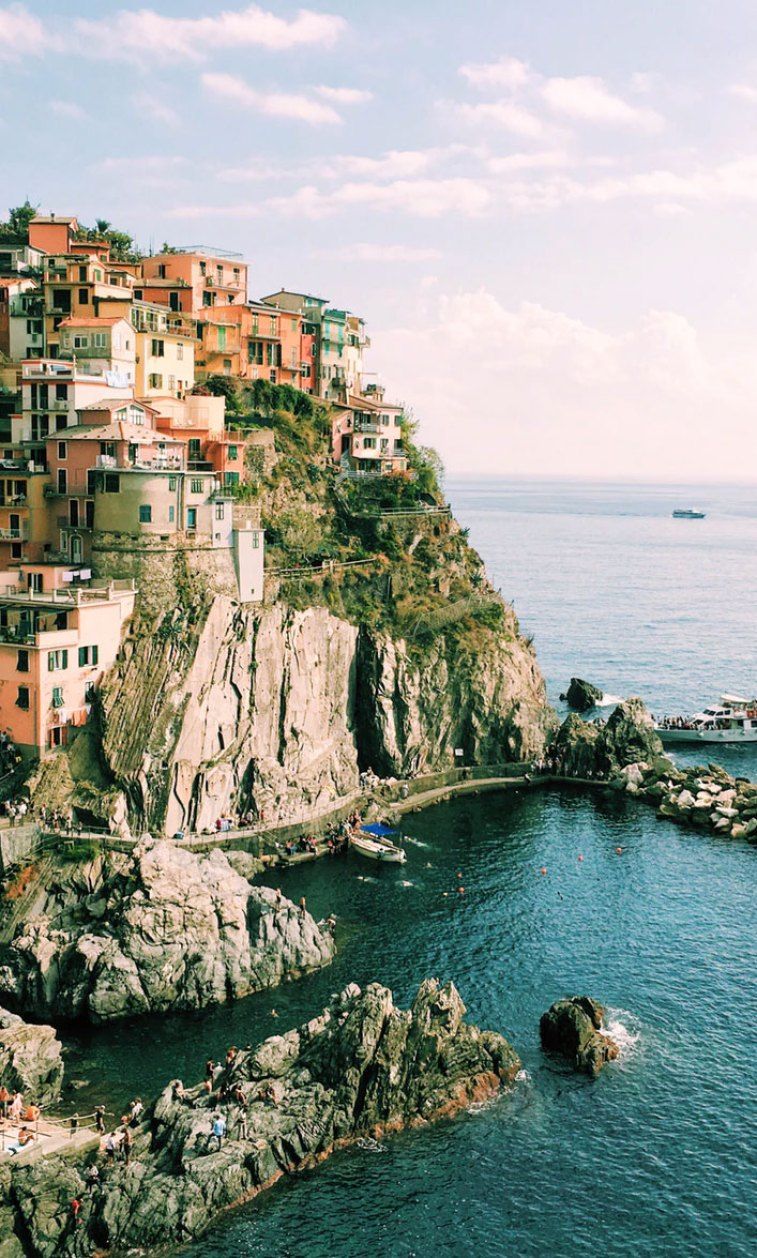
(23, 1115)
(555, 764)
(333, 841)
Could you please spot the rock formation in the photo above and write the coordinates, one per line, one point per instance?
(602, 749)
(276, 711)
(572, 1028)
(362, 1068)
(30, 1058)
(159, 929)
(582, 696)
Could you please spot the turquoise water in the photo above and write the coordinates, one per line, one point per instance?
(658, 1155)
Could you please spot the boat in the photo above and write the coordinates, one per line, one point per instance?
(733, 720)
(375, 842)
(689, 513)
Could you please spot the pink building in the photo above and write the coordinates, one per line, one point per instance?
(58, 637)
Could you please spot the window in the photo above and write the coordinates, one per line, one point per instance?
(22, 662)
(61, 392)
(62, 447)
(89, 691)
(256, 541)
(81, 342)
(82, 274)
(207, 299)
(172, 484)
(171, 384)
(145, 514)
(220, 511)
(180, 353)
(56, 660)
(233, 453)
(83, 296)
(222, 337)
(73, 512)
(171, 515)
(255, 352)
(230, 478)
(112, 483)
(162, 271)
(57, 696)
(203, 268)
(60, 423)
(195, 485)
(62, 480)
(16, 550)
(22, 698)
(227, 366)
(157, 348)
(191, 517)
(99, 340)
(88, 655)
(155, 381)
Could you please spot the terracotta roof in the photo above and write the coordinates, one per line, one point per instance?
(54, 218)
(368, 404)
(114, 404)
(121, 430)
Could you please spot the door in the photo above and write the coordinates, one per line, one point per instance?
(77, 551)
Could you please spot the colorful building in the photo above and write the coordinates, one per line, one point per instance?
(367, 436)
(215, 278)
(101, 347)
(58, 637)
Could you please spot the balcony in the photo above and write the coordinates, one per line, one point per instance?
(14, 535)
(77, 596)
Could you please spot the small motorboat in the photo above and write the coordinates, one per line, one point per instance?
(375, 842)
(689, 513)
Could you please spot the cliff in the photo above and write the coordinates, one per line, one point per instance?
(380, 645)
(156, 930)
(362, 1068)
(30, 1059)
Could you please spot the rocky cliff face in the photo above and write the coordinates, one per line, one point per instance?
(30, 1058)
(362, 1068)
(162, 929)
(275, 711)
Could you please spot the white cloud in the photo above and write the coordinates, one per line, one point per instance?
(345, 95)
(420, 198)
(276, 104)
(552, 159)
(395, 164)
(507, 72)
(423, 198)
(554, 395)
(744, 91)
(67, 109)
(143, 34)
(506, 115)
(379, 253)
(587, 99)
(154, 106)
(151, 164)
(21, 33)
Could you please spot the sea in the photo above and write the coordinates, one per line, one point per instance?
(659, 1154)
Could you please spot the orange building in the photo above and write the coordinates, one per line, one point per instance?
(215, 279)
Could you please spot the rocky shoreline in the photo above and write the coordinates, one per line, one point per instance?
(363, 1068)
(158, 930)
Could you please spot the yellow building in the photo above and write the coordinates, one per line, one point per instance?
(165, 362)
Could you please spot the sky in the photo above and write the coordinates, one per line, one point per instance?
(545, 211)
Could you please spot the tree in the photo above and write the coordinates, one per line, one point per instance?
(102, 226)
(224, 386)
(19, 218)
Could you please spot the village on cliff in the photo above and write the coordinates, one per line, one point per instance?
(114, 432)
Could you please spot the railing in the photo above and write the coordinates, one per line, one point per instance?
(13, 535)
(71, 597)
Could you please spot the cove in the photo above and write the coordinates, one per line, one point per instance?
(653, 1156)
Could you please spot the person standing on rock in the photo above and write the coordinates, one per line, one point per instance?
(217, 1131)
(127, 1140)
(100, 1120)
(210, 1069)
(303, 906)
(5, 1097)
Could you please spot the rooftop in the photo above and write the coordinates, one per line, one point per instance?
(115, 403)
(122, 430)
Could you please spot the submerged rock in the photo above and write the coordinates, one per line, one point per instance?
(363, 1068)
(162, 929)
(30, 1058)
(571, 1027)
(582, 696)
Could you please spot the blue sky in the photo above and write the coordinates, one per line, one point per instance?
(545, 211)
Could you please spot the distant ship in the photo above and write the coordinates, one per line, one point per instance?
(688, 513)
(733, 720)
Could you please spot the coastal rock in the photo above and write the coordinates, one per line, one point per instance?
(30, 1059)
(161, 929)
(582, 696)
(605, 749)
(361, 1068)
(572, 1028)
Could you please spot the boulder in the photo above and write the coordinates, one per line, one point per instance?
(30, 1058)
(582, 696)
(605, 749)
(361, 1068)
(572, 1028)
(162, 929)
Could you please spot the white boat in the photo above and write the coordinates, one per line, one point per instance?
(733, 720)
(689, 513)
(374, 842)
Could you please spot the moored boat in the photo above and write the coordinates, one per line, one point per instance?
(375, 842)
(733, 720)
